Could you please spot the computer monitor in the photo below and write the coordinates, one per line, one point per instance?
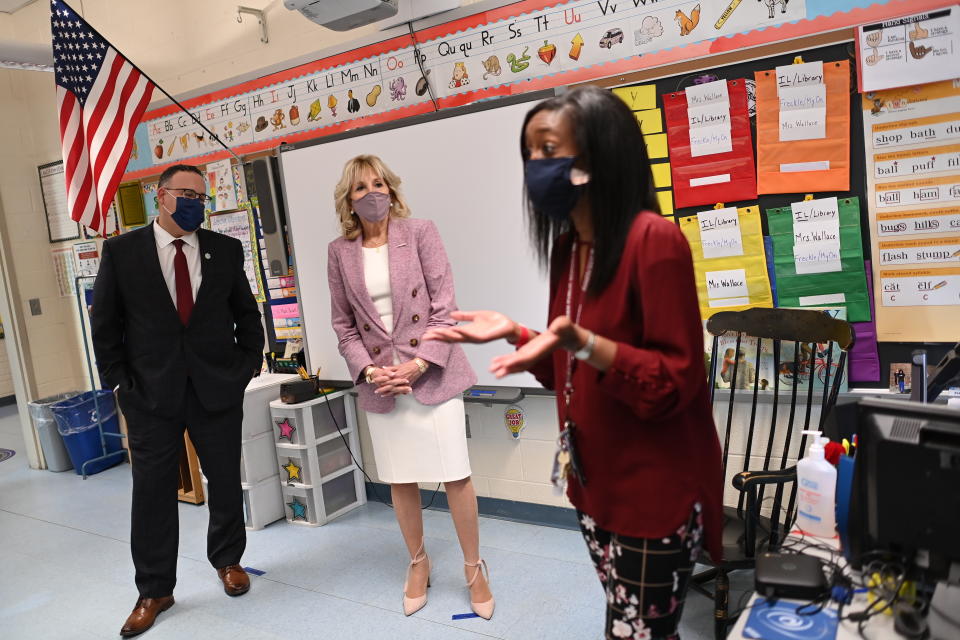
(946, 373)
(905, 497)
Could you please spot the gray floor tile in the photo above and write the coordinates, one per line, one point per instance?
(67, 572)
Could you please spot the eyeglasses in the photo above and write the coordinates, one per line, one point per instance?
(191, 194)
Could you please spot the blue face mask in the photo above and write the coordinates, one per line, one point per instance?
(549, 187)
(188, 214)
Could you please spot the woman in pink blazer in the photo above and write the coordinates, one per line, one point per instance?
(390, 282)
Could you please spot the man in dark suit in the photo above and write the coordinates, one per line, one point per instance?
(177, 330)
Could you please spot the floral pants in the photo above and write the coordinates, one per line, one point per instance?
(646, 579)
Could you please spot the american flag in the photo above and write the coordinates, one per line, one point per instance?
(101, 99)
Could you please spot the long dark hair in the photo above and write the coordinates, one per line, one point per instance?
(611, 149)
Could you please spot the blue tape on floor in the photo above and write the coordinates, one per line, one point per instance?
(255, 572)
(6, 454)
(464, 616)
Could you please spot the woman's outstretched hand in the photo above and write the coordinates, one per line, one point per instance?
(561, 334)
(481, 327)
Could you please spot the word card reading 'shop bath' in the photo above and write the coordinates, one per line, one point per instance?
(803, 144)
(912, 147)
(728, 259)
(818, 256)
(711, 150)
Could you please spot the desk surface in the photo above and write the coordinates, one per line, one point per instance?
(270, 379)
(878, 627)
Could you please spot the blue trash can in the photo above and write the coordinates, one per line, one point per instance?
(77, 420)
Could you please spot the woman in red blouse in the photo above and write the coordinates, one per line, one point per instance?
(624, 351)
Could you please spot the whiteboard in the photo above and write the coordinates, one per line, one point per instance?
(465, 174)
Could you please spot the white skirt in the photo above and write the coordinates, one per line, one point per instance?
(420, 443)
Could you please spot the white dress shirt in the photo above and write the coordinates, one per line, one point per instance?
(166, 251)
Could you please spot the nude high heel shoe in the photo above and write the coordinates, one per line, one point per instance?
(482, 609)
(412, 605)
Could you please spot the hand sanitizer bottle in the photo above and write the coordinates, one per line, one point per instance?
(816, 488)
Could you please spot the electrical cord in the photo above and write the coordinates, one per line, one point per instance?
(423, 72)
(843, 586)
(760, 600)
(373, 485)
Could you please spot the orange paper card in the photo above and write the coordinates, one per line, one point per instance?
(802, 166)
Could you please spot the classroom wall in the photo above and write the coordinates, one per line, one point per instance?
(51, 339)
(185, 46)
(6, 382)
(503, 467)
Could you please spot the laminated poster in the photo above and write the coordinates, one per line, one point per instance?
(911, 50)
(912, 149)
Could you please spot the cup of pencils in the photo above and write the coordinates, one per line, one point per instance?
(313, 380)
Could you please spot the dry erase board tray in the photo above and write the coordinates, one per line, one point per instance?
(493, 395)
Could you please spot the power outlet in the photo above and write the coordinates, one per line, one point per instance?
(35, 307)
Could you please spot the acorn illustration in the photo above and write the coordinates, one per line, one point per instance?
(294, 115)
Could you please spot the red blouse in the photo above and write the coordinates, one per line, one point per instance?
(645, 434)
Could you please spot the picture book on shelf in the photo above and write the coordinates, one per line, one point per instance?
(816, 360)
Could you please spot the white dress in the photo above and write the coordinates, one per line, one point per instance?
(414, 442)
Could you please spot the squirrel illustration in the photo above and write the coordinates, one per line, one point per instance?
(688, 24)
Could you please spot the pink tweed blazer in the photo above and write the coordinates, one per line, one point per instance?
(421, 283)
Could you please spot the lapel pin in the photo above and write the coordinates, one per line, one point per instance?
(207, 256)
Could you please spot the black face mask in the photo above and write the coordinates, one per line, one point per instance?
(549, 187)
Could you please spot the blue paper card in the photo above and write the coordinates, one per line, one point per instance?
(775, 620)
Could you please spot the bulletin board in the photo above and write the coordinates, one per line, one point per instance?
(889, 352)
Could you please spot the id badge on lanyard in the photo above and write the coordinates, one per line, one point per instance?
(566, 460)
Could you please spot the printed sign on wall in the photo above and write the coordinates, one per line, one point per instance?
(913, 168)
(568, 36)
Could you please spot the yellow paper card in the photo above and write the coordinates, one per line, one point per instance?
(666, 202)
(651, 121)
(750, 269)
(638, 97)
(656, 145)
(661, 175)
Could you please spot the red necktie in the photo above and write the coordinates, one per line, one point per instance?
(184, 288)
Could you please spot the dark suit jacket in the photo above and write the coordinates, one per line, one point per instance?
(142, 346)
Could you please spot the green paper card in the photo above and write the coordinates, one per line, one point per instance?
(818, 256)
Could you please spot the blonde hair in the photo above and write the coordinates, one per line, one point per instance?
(355, 167)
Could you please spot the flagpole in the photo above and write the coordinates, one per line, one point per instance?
(162, 90)
(184, 109)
